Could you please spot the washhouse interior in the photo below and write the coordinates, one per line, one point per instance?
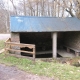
(42, 41)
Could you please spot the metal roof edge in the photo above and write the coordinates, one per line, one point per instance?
(43, 17)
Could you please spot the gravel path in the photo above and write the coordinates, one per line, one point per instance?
(4, 36)
(12, 73)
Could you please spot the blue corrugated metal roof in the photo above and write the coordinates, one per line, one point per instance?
(43, 24)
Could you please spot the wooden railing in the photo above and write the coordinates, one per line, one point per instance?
(14, 46)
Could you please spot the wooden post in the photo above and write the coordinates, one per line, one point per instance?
(68, 50)
(77, 54)
(34, 54)
(54, 44)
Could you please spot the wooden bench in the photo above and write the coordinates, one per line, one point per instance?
(77, 52)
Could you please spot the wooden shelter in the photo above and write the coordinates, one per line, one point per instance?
(47, 33)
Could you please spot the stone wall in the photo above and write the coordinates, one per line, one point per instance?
(15, 38)
(72, 39)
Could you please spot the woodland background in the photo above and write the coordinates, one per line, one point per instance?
(45, 8)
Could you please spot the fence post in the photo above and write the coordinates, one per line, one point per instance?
(34, 53)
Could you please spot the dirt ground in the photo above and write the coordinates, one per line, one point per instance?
(12, 73)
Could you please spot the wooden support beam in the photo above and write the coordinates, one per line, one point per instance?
(34, 55)
(20, 51)
(54, 44)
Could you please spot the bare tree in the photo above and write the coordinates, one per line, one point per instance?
(15, 9)
(24, 7)
(77, 8)
(3, 18)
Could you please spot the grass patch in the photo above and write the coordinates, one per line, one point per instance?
(52, 69)
(1, 44)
